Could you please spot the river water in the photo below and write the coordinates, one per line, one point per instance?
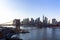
(40, 34)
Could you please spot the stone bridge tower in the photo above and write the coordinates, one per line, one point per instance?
(16, 23)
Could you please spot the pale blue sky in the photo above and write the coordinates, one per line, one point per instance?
(11, 9)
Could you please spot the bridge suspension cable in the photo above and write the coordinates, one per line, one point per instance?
(9, 22)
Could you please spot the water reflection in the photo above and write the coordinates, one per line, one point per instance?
(41, 34)
(44, 34)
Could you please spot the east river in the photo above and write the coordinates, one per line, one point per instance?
(39, 34)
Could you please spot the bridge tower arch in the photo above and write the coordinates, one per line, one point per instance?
(16, 23)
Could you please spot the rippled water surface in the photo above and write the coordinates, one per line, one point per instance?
(40, 34)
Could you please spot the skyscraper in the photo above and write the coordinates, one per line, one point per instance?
(54, 21)
(45, 20)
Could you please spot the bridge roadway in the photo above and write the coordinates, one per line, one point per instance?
(6, 24)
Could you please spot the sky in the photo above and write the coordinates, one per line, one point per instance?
(20, 9)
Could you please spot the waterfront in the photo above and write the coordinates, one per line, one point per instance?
(40, 34)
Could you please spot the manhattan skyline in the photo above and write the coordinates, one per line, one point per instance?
(20, 9)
